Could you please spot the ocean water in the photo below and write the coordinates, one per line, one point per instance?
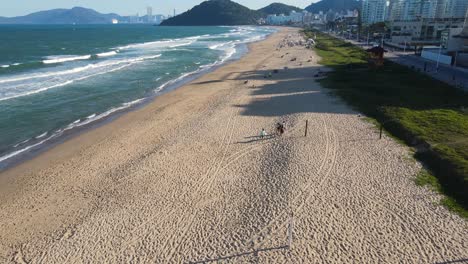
(57, 79)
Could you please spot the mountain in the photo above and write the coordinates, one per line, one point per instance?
(76, 15)
(278, 8)
(335, 5)
(215, 13)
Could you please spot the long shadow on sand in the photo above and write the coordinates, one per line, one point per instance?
(253, 252)
(289, 91)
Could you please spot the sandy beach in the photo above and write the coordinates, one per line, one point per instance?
(186, 179)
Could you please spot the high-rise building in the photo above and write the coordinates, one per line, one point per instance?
(409, 10)
(149, 14)
(451, 8)
(159, 18)
(374, 11)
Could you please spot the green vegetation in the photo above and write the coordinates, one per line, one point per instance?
(423, 112)
(425, 178)
(278, 8)
(214, 13)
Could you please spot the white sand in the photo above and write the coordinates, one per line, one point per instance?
(184, 179)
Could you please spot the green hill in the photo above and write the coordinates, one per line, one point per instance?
(76, 15)
(335, 5)
(278, 8)
(215, 13)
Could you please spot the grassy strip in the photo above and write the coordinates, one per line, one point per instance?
(425, 178)
(419, 110)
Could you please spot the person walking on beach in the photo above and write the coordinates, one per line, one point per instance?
(280, 128)
(263, 133)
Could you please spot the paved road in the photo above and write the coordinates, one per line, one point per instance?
(452, 75)
(445, 73)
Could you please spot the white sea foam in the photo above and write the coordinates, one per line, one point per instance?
(181, 44)
(60, 59)
(220, 45)
(230, 51)
(42, 135)
(78, 69)
(22, 142)
(5, 66)
(121, 64)
(95, 117)
(161, 44)
(15, 153)
(107, 54)
(195, 37)
(59, 132)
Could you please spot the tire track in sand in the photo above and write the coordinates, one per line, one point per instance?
(211, 179)
(304, 195)
(202, 190)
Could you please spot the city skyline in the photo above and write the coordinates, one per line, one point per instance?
(125, 8)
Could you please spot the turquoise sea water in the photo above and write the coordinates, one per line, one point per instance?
(56, 79)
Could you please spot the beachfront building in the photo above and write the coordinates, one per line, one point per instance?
(292, 18)
(451, 8)
(424, 22)
(276, 19)
(374, 11)
(424, 31)
(308, 18)
(409, 10)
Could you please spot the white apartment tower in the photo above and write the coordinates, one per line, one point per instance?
(451, 8)
(410, 10)
(149, 14)
(374, 11)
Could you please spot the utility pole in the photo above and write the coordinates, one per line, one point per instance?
(368, 33)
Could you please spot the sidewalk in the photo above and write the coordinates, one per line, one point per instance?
(455, 76)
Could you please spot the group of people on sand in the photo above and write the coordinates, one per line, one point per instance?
(292, 41)
(280, 129)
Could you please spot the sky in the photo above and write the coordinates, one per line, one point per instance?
(11, 8)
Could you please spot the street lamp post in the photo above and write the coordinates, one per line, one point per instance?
(438, 58)
(455, 61)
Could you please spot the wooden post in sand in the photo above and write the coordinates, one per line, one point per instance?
(307, 125)
(381, 129)
(290, 231)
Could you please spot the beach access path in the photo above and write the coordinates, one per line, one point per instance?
(186, 179)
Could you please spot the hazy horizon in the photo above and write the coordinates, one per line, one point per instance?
(125, 8)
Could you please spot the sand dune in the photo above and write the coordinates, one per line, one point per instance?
(186, 179)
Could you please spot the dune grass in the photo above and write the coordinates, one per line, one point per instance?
(423, 112)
